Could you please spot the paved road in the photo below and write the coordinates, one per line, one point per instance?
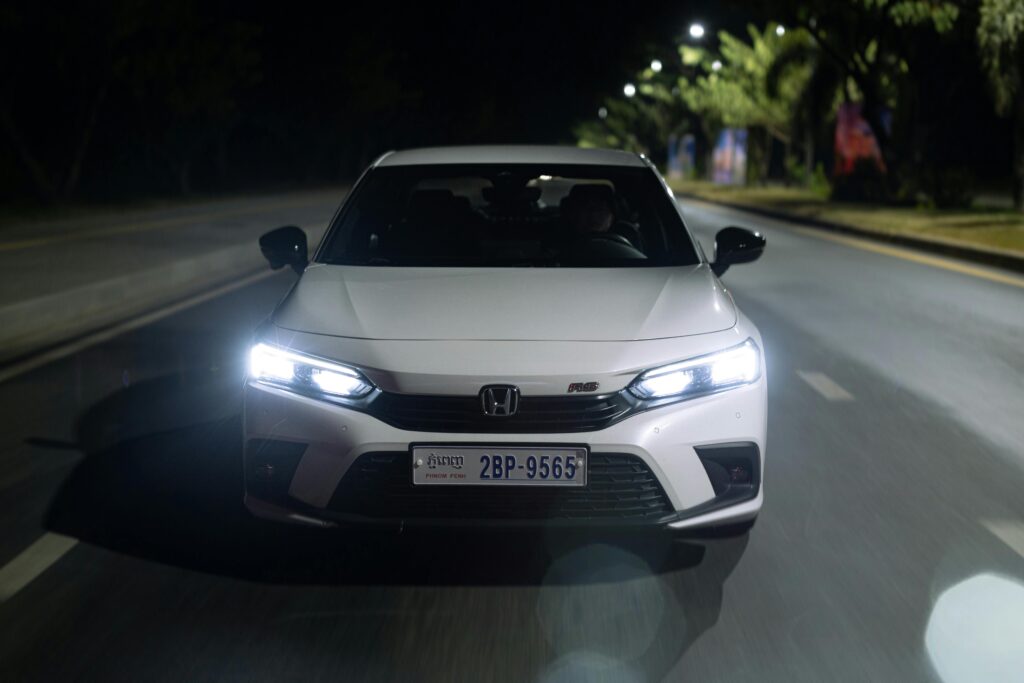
(40, 258)
(71, 277)
(890, 546)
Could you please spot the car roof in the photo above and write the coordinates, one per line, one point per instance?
(511, 154)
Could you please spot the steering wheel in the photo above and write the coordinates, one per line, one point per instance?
(630, 232)
(606, 245)
(611, 237)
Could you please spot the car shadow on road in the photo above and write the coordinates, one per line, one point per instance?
(161, 481)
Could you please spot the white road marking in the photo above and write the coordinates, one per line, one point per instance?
(1008, 531)
(116, 330)
(33, 561)
(825, 386)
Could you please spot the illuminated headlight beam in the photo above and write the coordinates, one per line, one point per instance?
(278, 366)
(702, 375)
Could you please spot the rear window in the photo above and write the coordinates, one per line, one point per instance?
(509, 215)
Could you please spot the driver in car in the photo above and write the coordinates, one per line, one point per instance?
(589, 214)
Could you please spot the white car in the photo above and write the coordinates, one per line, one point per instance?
(510, 336)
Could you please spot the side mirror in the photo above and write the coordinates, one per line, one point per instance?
(736, 245)
(285, 247)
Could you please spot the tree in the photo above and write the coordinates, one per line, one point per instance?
(642, 123)
(897, 58)
(866, 43)
(66, 60)
(176, 67)
(733, 90)
(1001, 43)
(704, 92)
(184, 71)
(626, 125)
(814, 104)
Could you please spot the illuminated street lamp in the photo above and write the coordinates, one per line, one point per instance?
(696, 31)
(656, 65)
(629, 90)
(716, 65)
(780, 30)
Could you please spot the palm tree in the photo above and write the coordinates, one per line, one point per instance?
(816, 101)
(1001, 41)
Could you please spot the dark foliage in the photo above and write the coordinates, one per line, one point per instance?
(129, 98)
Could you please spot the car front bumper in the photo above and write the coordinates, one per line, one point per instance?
(299, 451)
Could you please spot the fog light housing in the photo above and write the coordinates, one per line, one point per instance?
(734, 470)
(270, 465)
(739, 474)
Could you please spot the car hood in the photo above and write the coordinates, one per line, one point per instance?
(549, 304)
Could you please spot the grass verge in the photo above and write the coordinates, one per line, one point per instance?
(995, 229)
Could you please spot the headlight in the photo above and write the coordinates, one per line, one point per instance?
(304, 373)
(701, 375)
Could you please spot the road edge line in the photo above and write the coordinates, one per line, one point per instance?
(33, 561)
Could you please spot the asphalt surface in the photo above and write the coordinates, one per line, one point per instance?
(890, 546)
(40, 258)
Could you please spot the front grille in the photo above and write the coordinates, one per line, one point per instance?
(536, 414)
(619, 487)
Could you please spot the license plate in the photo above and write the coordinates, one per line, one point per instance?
(499, 465)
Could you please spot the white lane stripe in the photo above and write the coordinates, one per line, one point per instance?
(127, 326)
(825, 386)
(1009, 532)
(33, 561)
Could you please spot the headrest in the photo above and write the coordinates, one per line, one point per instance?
(430, 201)
(592, 192)
(511, 195)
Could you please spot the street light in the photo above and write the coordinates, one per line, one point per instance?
(716, 65)
(780, 30)
(696, 31)
(629, 90)
(656, 65)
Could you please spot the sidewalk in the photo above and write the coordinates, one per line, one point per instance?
(61, 279)
(991, 236)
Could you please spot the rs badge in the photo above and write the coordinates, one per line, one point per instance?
(576, 387)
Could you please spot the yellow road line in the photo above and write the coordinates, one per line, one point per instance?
(916, 257)
(149, 225)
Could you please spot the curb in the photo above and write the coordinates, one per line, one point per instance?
(33, 324)
(988, 257)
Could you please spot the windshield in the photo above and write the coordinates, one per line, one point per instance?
(510, 215)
